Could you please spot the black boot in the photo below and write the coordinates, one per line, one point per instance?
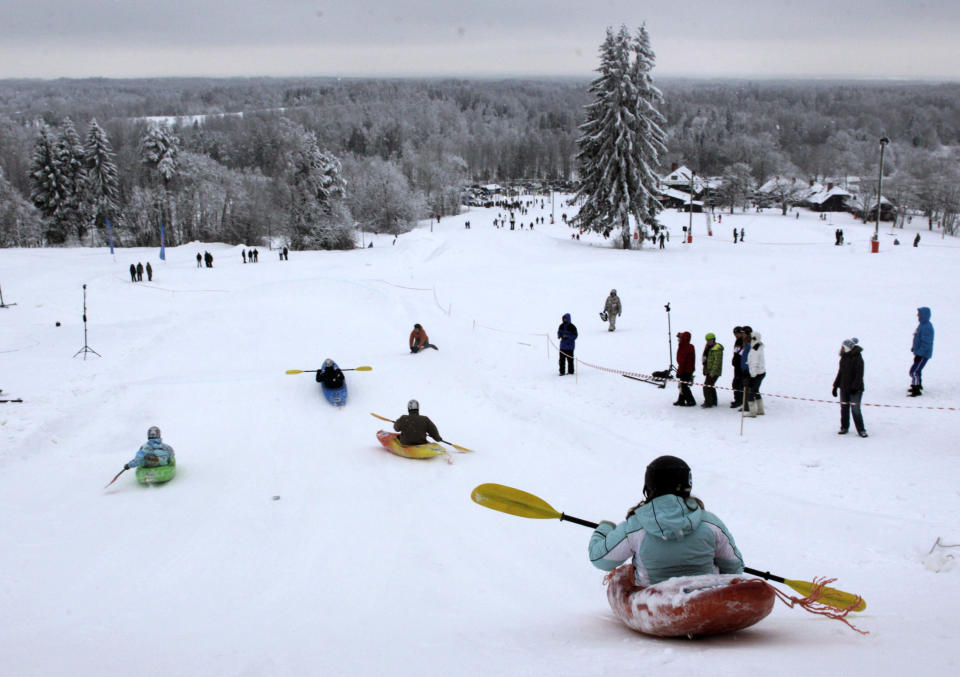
(914, 391)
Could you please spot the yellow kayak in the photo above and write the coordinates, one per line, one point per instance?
(392, 444)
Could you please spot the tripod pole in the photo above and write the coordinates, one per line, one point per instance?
(86, 349)
(669, 335)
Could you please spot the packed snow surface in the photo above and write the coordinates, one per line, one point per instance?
(291, 543)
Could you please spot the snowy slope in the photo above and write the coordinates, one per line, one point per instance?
(373, 564)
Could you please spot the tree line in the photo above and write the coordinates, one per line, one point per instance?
(310, 158)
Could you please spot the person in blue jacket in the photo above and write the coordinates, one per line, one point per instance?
(669, 533)
(567, 333)
(153, 452)
(922, 350)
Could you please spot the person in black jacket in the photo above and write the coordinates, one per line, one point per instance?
(849, 382)
(567, 333)
(330, 375)
(133, 272)
(737, 384)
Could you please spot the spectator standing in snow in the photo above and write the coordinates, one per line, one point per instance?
(613, 309)
(849, 382)
(756, 370)
(199, 258)
(567, 333)
(149, 272)
(667, 534)
(133, 273)
(139, 271)
(922, 350)
(286, 253)
(419, 339)
(414, 428)
(737, 384)
(686, 366)
(712, 368)
(243, 255)
(743, 235)
(916, 240)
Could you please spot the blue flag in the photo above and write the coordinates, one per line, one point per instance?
(110, 232)
(163, 254)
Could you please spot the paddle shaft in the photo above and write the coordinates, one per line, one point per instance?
(310, 371)
(390, 420)
(115, 478)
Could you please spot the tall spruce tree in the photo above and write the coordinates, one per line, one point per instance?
(74, 206)
(103, 182)
(158, 151)
(318, 216)
(48, 188)
(621, 140)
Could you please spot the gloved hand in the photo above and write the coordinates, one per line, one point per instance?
(605, 527)
(126, 466)
(834, 391)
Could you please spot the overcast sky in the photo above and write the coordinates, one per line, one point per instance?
(754, 38)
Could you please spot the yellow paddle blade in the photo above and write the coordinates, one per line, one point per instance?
(363, 368)
(831, 596)
(513, 501)
(294, 371)
(459, 448)
(382, 418)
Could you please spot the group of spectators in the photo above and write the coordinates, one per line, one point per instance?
(136, 272)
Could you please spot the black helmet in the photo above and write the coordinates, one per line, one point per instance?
(667, 475)
(417, 326)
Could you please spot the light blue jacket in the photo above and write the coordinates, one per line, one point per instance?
(923, 336)
(666, 537)
(153, 448)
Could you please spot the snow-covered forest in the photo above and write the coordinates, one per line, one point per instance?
(405, 149)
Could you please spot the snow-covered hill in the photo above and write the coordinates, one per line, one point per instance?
(373, 564)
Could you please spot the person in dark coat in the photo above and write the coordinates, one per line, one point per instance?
(414, 428)
(149, 270)
(567, 333)
(243, 255)
(330, 375)
(139, 272)
(199, 259)
(286, 254)
(849, 382)
(208, 259)
(256, 256)
(133, 273)
(737, 384)
(686, 365)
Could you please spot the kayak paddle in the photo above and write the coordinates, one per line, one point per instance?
(310, 371)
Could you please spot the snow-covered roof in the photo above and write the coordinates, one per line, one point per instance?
(822, 196)
(678, 195)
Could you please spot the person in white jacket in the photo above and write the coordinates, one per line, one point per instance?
(757, 368)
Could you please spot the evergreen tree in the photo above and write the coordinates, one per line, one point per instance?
(318, 216)
(70, 155)
(103, 182)
(19, 222)
(158, 151)
(48, 189)
(621, 140)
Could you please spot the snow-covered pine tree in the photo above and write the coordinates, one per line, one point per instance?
(621, 140)
(318, 216)
(103, 182)
(48, 186)
(74, 206)
(19, 222)
(158, 151)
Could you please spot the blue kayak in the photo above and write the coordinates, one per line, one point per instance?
(335, 396)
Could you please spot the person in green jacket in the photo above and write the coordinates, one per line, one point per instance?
(712, 368)
(669, 533)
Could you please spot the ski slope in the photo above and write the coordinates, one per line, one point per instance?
(368, 563)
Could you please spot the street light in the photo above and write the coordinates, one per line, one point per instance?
(883, 144)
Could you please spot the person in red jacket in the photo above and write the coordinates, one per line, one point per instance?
(686, 366)
(419, 340)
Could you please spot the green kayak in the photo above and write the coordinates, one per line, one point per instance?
(157, 475)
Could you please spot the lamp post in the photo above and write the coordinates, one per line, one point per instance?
(876, 233)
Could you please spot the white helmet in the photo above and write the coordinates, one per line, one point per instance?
(153, 433)
(327, 363)
(413, 405)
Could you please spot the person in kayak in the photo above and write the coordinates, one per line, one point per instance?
(419, 340)
(667, 534)
(330, 375)
(414, 428)
(153, 452)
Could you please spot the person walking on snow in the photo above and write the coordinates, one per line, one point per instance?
(756, 370)
(922, 350)
(153, 452)
(712, 368)
(567, 333)
(849, 382)
(669, 533)
(139, 272)
(686, 366)
(133, 273)
(612, 308)
(419, 340)
(149, 272)
(414, 428)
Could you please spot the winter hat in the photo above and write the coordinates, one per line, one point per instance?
(850, 343)
(737, 330)
(747, 329)
(709, 336)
